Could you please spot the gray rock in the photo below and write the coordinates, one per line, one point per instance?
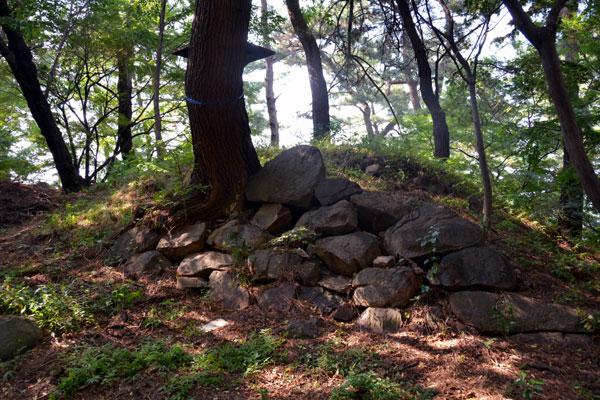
(192, 282)
(405, 237)
(475, 266)
(235, 235)
(203, 264)
(377, 212)
(309, 273)
(278, 299)
(510, 313)
(337, 219)
(225, 289)
(374, 170)
(135, 240)
(380, 320)
(17, 333)
(330, 191)
(271, 265)
(178, 245)
(290, 178)
(273, 218)
(302, 329)
(377, 287)
(337, 283)
(145, 265)
(383, 262)
(345, 313)
(324, 300)
(350, 253)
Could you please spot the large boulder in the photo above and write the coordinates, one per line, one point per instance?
(330, 191)
(411, 236)
(17, 333)
(145, 265)
(203, 264)
(136, 240)
(226, 290)
(235, 235)
(376, 211)
(271, 265)
(290, 178)
(192, 282)
(509, 313)
(278, 298)
(350, 253)
(324, 300)
(475, 266)
(337, 283)
(377, 287)
(273, 218)
(380, 320)
(337, 219)
(177, 246)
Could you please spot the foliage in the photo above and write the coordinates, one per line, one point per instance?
(300, 236)
(108, 364)
(524, 387)
(63, 308)
(369, 386)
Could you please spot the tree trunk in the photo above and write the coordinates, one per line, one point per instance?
(543, 39)
(413, 92)
(318, 87)
(271, 109)
(483, 166)
(441, 135)
(124, 93)
(224, 155)
(20, 60)
(570, 216)
(156, 98)
(366, 111)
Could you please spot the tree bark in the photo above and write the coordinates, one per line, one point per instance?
(543, 39)
(413, 92)
(20, 60)
(224, 155)
(441, 134)
(318, 87)
(570, 216)
(270, 94)
(124, 93)
(156, 99)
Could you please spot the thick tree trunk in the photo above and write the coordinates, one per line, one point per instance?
(156, 99)
(270, 93)
(366, 111)
(441, 135)
(224, 155)
(124, 93)
(570, 216)
(20, 60)
(543, 39)
(318, 87)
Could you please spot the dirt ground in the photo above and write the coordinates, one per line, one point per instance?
(433, 350)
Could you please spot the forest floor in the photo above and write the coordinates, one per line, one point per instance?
(110, 338)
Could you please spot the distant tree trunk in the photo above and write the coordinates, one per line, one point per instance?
(441, 134)
(271, 109)
(366, 111)
(156, 99)
(413, 92)
(543, 39)
(20, 60)
(318, 87)
(124, 93)
(224, 155)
